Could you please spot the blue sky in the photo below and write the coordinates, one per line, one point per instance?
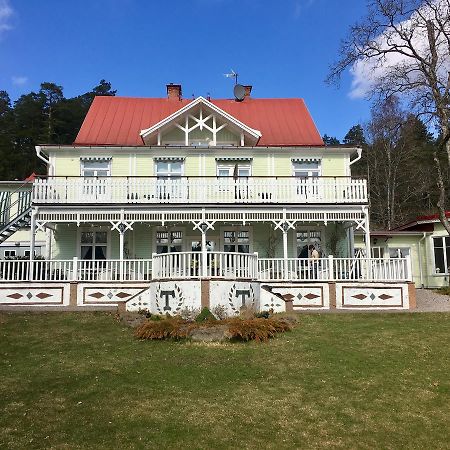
(283, 48)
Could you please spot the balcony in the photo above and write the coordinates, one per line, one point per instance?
(200, 190)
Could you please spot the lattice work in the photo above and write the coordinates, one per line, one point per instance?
(197, 215)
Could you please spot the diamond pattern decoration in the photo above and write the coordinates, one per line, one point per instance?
(123, 295)
(359, 296)
(288, 297)
(97, 295)
(372, 296)
(385, 296)
(43, 295)
(110, 295)
(15, 296)
(311, 296)
(29, 295)
(299, 296)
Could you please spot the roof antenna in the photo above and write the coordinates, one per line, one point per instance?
(232, 74)
(239, 90)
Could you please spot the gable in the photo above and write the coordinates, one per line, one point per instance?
(202, 120)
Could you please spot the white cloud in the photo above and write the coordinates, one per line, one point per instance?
(6, 13)
(301, 5)
(19, 81)
(366, 73)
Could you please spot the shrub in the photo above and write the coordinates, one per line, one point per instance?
(189, 314)
(263, 315)
(205, 316)
(220, 311)
(163, 329)
(256, 329)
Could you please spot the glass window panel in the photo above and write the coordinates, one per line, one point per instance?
(176, 167)
(306, 165)
(244, 172)
(229, 236)
(89, 173)
(162, 237)
(439, 260)
(224, 172)
(100, 252)
(243, 236)
(196, 246)
(229, 248)
(87, 237)
(243, 248)
(101, 237)
(162, 249)
(162, 166)
(86, 252)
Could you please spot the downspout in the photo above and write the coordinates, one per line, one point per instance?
(42, 157)
(420, 259)
(359, 150)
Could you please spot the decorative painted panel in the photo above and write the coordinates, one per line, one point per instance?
(234, 295)
(313, 296)
(167, 297)
(34, 295)
(110, 295)
(377, 296)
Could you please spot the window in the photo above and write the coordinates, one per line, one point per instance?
(234, 170)
(305, 238)
(304, 169)
(96, 168)
(169, 241)
(400, 252)
(236, 241)
(441, 254)
(10, 253)
(93, 245)
(169, 169)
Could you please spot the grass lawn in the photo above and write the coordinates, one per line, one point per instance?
(80, 380)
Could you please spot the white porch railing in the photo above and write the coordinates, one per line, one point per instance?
(199, 190)
(218, 265)
(334, 269)
(189, 265)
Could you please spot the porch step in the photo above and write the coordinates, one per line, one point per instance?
(19, 222)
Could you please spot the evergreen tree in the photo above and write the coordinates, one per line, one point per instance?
(330, 140)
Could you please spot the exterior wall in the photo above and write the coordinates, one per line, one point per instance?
(198, 162)
(20, 242)
(65, 242)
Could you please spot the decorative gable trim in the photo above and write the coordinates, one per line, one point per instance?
(234, 158)
(96, 158)
(300, 160)
(254, 134)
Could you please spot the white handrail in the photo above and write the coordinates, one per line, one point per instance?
(223, 265)
(195, 190)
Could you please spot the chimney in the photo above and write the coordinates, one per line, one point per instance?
(248, 90)
(173, 91)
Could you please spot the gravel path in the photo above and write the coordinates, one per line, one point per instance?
(430, 301)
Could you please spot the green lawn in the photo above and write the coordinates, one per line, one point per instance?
(80, 380)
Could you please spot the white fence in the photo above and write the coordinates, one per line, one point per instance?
(199, 190)
(218, 265)
(224, 265)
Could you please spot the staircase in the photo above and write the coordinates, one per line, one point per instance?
(15, 212)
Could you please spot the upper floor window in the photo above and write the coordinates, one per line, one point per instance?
(441, 246)
(100, 167)
(306, 168)
(169, 169)
(236, 168)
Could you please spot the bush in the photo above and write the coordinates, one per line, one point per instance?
(205, 316)
(263, 315)
(220, 311)
(163, 329)
(256, 329)
(189, 314)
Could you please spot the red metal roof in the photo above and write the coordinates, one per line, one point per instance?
(119, 120)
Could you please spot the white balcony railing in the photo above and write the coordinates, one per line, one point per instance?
(199, 190)
(189, 265)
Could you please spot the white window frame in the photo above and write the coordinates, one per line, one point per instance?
(169, 173)
(247, 165)
(308, 229)
(311, 173)
(446, 262)
(93, 230)
(236, 229)
(12, 255)
(94, 168)
(170, 230)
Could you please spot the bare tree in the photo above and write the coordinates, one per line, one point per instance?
(402, 48)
